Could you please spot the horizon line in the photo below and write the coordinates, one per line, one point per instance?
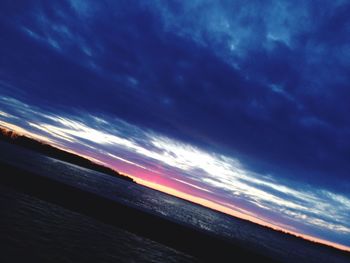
(180, 194)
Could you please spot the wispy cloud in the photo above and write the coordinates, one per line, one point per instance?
(223, 74)
(217, 176)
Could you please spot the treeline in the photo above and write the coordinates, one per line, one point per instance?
(51, 151)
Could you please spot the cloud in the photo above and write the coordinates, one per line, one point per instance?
(216, 176)
(181, 87)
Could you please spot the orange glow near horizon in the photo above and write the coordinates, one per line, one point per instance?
(231, 212)
(21, 131)
(176, 192)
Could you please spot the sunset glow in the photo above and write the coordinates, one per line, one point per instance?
(232, 212)
(187, 192)
(238, 106)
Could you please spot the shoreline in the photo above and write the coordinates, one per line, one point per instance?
(204, 246)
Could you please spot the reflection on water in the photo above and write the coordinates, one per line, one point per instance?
(38, 225)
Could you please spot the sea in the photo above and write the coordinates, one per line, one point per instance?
(36, 229)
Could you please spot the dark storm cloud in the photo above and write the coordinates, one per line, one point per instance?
(268, 82)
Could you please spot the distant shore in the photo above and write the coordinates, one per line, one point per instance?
(206, 247)
(49, 150)
(203, 245)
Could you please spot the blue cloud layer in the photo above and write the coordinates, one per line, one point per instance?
(266, 82)
(213, 176)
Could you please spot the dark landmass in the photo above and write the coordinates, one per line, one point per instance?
(202, 245)
(51, 151)
(205, 246)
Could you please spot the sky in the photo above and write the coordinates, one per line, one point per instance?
(243, 104)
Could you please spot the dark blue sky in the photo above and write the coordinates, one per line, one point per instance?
(263, 84)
